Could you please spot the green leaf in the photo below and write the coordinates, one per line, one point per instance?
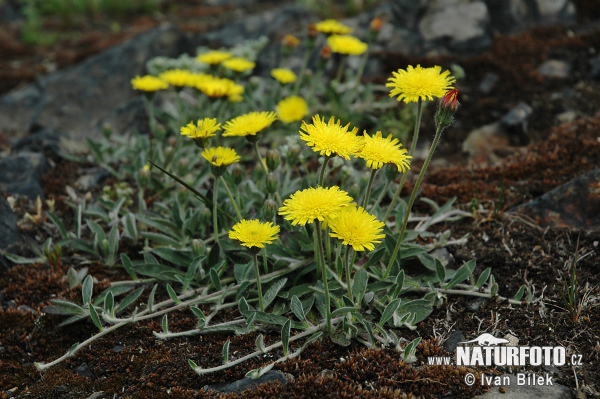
(199, 314)
(59, 225)
(312, 339)
(483, 277)
(243, 306)
(272, 319)
(95, 318)
(520, 293)
(214, 279)
(344, 310)
(273, 291)
(388, 312)
(461, 275)
(65, 307)
(375, 257)
(192, 364)
(192, 270)
(410, 350)
(172, 294)
(160, 239)
(109, 302)
(129, 299)
(78, 214)
(151, 298)
(359, 285)
(20, 260)
(296, 307)
(113, 244)
(165, 324)
(398, 284)
(73, 347)
(226, 352)
(260, 343)
(285, 336)
(97, 230)
(86, 290)
(130, 226)
(440, 270)
(177, 257)
(417, 309)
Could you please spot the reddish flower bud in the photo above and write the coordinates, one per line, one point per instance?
(450, 100)
(312, 30)
(446, 108)
(290, 41)
(376, 24)
(326, 53)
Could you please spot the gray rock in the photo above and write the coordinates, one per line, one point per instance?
(514, 16)
(74, 99)
(9, 11)
(43, 141)
(517, 116)
(488, 82)
(515, 391)
(555, 69)
(129, 117)
(453, 340)
(250, 383)
(22, 174)
(595, 64)
(85, 371)
(8, 225)
(555, 11)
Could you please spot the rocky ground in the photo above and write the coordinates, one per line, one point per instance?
(524, 154)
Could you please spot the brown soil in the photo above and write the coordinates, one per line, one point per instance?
(134, 364)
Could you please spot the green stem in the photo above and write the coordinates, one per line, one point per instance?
(340, 71)
(260, 297)
(264, 168)
(348, 268)
(302, 69)
(413, 146)
(322, 172)
(151, 122)
(369, 187)
(215, 226)
(265, 263)
(230, 195)
(411, 201)
(321, 258)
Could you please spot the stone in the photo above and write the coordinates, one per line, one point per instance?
(22, 174)
(482, 143)
(595, 67)
(41, 140)
(555, 69)
(453, 340)
(514, 391)
(250, 383)
(74, 99)
(515, 16)
(9, 233)
(575, 204)
(85, 371)
(9, 11)
(489, 81)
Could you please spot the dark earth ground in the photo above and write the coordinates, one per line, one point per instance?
(134, 364)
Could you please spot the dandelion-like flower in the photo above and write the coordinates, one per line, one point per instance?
(220, 156)
(414, 84)
(148, 83)
(283, 75)
(355, 227)
(204, 129)
(378, 151)
(292, 109)
(319, 203)
(178, 77)
(253, 233)
(214, 57)
(330, 138)
(218, 87)
(332, 26)
(346, 44)
(239, 64)
(249, 124)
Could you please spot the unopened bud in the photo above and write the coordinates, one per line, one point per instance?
(326, 52)
(237, 174)
(172, 141)
(376, 24)
(447, 106)
(184, 162)
(293, 154)
(269, 209)
(273, 159)
(272, 183)
(198, 247)
(290, 41)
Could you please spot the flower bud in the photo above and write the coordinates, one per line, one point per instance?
(273, 159)
(269, 209)
(172, 141)
(290, 41)
(237, 174)
(293, 154)
(447, 106)
(198, 247)
(272, 183)
(376, 24)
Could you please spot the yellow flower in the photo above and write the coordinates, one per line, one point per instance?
(319, 203)
(378, 151)
(283, 75)
(148, 83)
(239, 64)
(346, 44)
(220, 156)
(414, 84)
(204, 129)
(249, 124)
(218, 87)
(292, 109)
(178, 77)
(253, 233)
(332, 26)
(290, 41)
(214, 57)
(331, 138)
(355, 227)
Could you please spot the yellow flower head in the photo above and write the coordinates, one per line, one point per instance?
(178, 77)
(346, 44)
(214, 57)
(220, 156)
(249, 124)
(319, 203)
(253, 233)
(414, 84)
(239, 64)
(204, 129)
(331, 138)
(283, 75)
(148, 83)
(218, 87)
(333, 26)
(355, 227)
(292, 109)
(378, 151)
(290, 41)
